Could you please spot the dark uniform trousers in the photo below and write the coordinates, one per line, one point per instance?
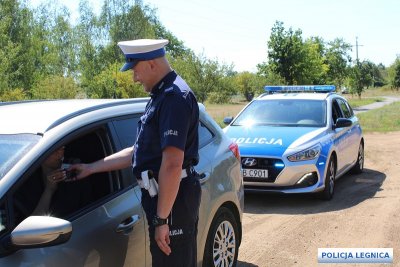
(183, 221)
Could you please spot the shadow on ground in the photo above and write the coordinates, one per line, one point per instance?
(350, 190)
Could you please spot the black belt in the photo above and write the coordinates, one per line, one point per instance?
(186, 172)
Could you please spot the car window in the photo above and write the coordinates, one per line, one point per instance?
(126, 129)
(336, 111)
(284, 112)
(13, 147)
(347, 112)
(205, 135)
(70, 197)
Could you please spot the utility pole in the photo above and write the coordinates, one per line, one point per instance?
(357, 45)
(359, 86)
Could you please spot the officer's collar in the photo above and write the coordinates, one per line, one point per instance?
(163, 84)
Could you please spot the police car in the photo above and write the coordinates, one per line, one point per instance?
(297, 139)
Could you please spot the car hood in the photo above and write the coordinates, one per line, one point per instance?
(271, 140)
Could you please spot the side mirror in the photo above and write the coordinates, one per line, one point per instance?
(41, 231)
(341, 123)
(228, 120)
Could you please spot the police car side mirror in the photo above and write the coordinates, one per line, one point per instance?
(341, 123)
(228, 120)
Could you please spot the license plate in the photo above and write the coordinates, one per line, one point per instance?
(255, 173)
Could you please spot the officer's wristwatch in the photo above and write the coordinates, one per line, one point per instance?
(157, 221)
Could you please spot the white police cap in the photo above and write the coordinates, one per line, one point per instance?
(141, 49)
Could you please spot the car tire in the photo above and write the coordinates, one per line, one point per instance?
(359, 166)
(330, 179)
(222, 245)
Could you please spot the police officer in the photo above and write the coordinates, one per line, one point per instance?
(165, 151)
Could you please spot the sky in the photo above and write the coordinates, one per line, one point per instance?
(237, 32)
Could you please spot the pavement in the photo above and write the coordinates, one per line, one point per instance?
(387, 100)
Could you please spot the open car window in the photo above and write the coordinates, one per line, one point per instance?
(72, 197)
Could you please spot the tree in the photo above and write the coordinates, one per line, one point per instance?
(355, 80)
(337, 58)
(175, 47)
(120, 20)
(204, 76)
(312, 66)
(111, 83)
(268, 75)
(249, 84)
(286, 53)
(89, 44)
(396, 81)
(367, 73)
(16, 64)
(394, 74)
(56, 87)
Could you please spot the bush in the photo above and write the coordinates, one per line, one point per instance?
(13, 95)
(55, 87)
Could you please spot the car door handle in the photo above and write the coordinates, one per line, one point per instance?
(204, 177)
(128, 224)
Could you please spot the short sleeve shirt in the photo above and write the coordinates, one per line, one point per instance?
(171, 118)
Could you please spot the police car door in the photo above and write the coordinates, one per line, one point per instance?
(341, 138)
(353, 132)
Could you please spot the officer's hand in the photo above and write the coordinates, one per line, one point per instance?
(79, 171)
(162, 238)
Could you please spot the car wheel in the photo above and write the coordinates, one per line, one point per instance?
(330, 178)
(222, 245)
(359, 166)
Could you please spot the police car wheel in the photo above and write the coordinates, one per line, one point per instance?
(330, 177)
(359, 166)
(222, 241)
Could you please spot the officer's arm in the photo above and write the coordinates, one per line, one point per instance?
(120, 160)
(169, 178)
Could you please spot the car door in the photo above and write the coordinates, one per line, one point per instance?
(352, 133)
(107, 230)
(341, 137)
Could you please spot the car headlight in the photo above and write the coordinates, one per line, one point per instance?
(307, 154)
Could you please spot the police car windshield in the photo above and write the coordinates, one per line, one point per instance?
(284, 112)
(12, 148)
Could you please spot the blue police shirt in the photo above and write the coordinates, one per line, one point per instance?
(171, 118)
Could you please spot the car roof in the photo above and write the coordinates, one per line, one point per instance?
(295, 96)
(41, 115)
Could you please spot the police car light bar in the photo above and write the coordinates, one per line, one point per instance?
(300, 88)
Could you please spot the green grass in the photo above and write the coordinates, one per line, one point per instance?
(219, 111)
(356, 102)
(385, 119)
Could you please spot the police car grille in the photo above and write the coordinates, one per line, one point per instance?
(270, 164)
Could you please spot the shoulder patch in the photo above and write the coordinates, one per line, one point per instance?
(169, 90)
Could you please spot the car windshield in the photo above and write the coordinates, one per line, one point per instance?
(284, 112)
(12, 148)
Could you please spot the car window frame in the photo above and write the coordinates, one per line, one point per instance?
(347, 114)
(336, 107)
(210, 140)
(93, 128)
(128, 179)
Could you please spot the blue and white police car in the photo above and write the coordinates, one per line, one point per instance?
(297, 139)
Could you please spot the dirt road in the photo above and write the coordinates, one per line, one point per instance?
(364, 213)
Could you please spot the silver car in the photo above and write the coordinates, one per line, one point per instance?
(99, 221)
